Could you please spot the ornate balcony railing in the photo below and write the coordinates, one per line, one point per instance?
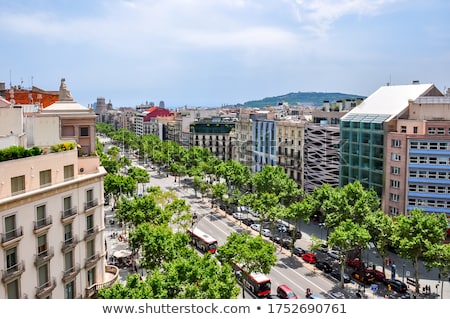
(69, 244)
(68, 213)
(12, 235)
(45, 289)
(13, 271)
(43, 256)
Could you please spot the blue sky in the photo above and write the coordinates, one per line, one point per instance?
(210, 53)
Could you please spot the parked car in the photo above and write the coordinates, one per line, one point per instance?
(355, 263)
(272, 296)
(363, 276)
(298, 251)
(334, 254)
(286, 242)
(396, 285)
(324, 266)
(247, 221)
(378, 275)
(309, 258)
(239, 216)
(266, 232)
(284, 292)
(282, 228)
(255, 227)
(337, 275)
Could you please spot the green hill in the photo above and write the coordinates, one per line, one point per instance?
(303, 98)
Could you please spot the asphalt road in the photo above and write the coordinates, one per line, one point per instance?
(290, 270)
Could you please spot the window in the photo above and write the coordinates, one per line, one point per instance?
(12, 290)
(67, 131)
(69, 290)
(17, 184)
(393, 210)
(395, 143)
(68, 261)
(45, 178)
(10, 227)
(40, 216)
(42, 244)
(403, 129)
(84, 131)
(395, 170)
(431, 131)
(394, 197)
(395, 184)
(68, 172)
(89, 222)
(415, 129)
(90, 248)
(395, 157)
(440, 131)
(43, 277)
(89, 196)
(67, 201)
(67, 233)
(91, 276)
(11, 259)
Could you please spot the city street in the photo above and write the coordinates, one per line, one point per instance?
(289, 270)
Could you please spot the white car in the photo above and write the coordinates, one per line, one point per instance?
(255, 227)
(266, 232)
(239, 216)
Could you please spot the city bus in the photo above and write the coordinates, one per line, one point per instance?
(203, 241)
(257, 283)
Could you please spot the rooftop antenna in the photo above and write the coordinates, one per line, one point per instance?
(10, 84)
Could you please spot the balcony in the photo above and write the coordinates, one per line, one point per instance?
(112, 274)
(70, 273)
(45, 289)
(68, 214)
(13, 272)
(69, 244)
(42, 224)
(91, 261)
(43, 257)
(90, 204)
(11, 237)
(91, 233)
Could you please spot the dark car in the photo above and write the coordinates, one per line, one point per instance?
(286, 243)
(298, 251)
(355, 263)
(396, 285)
(247, 221)
(324, 266)
(337, 275)
(379, 275)
(363, 276)
(272, 296)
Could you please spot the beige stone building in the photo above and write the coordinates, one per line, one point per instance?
(51, 205)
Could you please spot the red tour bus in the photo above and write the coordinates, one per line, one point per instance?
(257, 283)
(203, 241)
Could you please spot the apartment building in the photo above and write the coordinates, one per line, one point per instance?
(290, 145)
(364, 130)
(51, 204)
(213, 134)
(418, 161)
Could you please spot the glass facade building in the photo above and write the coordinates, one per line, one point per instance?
(362, 150)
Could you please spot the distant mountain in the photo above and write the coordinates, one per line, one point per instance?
(303, 98)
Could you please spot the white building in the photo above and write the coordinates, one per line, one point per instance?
(51, 205)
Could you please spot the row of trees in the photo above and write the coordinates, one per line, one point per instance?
(351, 213)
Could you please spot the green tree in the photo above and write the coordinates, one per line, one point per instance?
(297, 212)
(380, 227)
(415, 234)
(346, 236)
(438, 256)
(253, 253)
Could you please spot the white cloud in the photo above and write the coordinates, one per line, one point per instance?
(319, 15)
